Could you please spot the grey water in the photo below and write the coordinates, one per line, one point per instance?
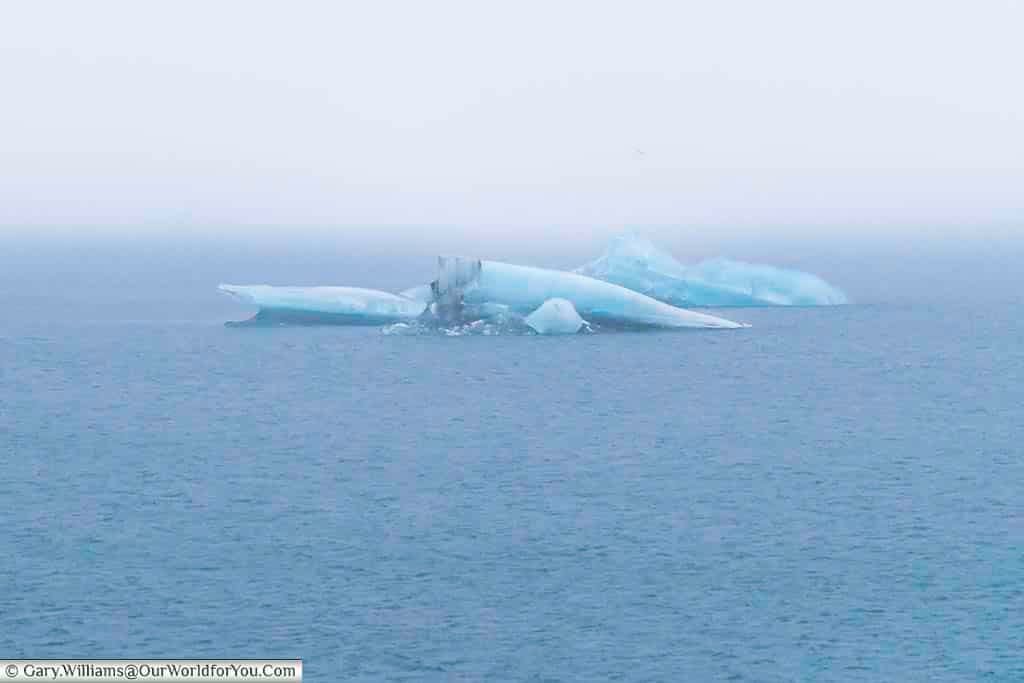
(831, 494)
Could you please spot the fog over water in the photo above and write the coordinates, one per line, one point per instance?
(166, 279)
(151, 152)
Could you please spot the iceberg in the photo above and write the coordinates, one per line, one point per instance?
(637, 264)
(467, 282)
(555, 316)
(318, 305)
(470, 291)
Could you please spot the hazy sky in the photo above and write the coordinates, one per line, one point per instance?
(512, 119)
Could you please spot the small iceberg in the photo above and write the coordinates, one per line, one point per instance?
(556, 316)
(636, 263)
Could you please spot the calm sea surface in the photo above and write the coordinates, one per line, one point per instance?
(833, 494)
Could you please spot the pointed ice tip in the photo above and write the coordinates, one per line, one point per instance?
(237, 291)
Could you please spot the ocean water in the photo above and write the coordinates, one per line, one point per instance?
(831, 495)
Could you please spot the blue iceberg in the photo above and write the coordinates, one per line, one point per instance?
(636, 263)
(470, 290)
(326, 305)
(524, 289)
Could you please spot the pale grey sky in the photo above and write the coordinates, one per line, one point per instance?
(515, 118)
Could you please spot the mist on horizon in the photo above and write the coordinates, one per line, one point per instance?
(149, 278)
(151, 152)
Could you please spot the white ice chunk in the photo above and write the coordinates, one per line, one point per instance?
(635, 263)
(490, 311)
(350, 305)
(555, 316)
